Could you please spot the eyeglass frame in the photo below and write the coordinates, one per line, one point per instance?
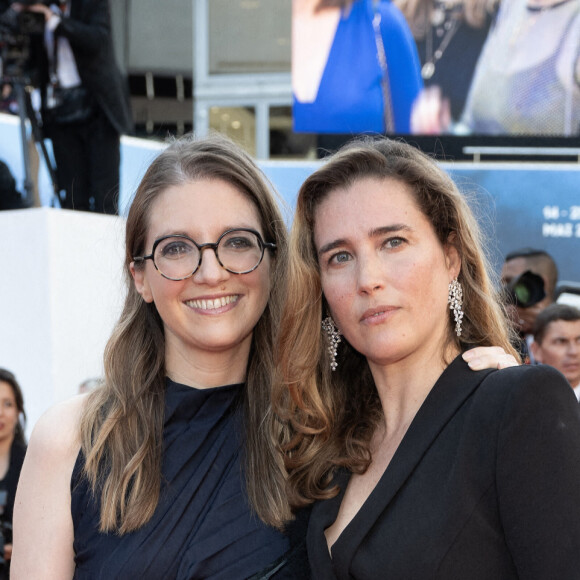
(213, 245)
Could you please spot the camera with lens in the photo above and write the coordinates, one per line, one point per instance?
(21, 46)
(525, 290)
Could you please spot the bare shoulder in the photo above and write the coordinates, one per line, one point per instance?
(57, 430)
(43, 527)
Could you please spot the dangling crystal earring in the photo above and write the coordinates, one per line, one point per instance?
(455, 300)
(333, 335)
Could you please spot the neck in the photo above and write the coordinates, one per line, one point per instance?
(212, 369)
(403, 386)
(5, 445)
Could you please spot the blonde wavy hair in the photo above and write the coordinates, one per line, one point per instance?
(122, 425)
(326, 419)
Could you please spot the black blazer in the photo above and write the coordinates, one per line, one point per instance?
(88, 30)
(484, 486)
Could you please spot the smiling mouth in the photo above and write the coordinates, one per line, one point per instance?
(213, 304)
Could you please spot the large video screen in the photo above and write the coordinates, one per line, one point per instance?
(448, 67)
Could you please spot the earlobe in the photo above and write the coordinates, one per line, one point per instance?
(140, 281)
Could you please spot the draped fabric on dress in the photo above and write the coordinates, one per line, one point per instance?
(350, 95)
(203, 526)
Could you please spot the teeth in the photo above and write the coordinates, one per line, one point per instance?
(212, 304)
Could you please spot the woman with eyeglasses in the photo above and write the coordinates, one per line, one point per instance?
(173, 448)
(170, 469)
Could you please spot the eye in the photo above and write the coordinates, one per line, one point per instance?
(339, 258)
(240, 241)
(393, 243)
(175, 248)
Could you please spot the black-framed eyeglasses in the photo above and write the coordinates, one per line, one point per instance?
(177, 257)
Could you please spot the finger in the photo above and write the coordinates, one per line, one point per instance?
(483, 351)
(488, 357)
(507, 361)
(480, 358)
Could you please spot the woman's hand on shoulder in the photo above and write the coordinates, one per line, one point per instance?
(43, 528)
(488, 357)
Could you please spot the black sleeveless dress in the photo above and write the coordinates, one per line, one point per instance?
(203, 526)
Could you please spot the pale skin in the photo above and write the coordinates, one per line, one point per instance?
(385, 277)
(205, 347)
(312, 38)
(43, 529)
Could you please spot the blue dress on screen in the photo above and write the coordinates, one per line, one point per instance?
(350, 95)
(203, 526)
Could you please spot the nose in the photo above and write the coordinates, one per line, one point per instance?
(370, 274)
(210, 271)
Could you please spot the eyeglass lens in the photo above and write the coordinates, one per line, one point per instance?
(238, 251)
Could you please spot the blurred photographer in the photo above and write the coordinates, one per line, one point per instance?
(529, 277)
(85, 104)
(12, 451)
(557, 341)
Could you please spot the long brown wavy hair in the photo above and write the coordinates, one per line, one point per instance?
(327, 419)
(122, 424)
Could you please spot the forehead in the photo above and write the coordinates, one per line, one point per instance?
(563, 329)
(6, 390)
(366, 203)
(513, 268)
(202, 207)
(518, 266)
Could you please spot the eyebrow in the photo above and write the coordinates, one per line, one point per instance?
(374, 233)
(225, 229)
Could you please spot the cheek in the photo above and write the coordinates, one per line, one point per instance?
(159, 288)
(12, 416)
(425, 280)
(264, 293)
(338, 294)
(260, 281)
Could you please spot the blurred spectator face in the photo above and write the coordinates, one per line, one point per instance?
(523, 318)
(8, 411)
(560, 348)
(88, 385)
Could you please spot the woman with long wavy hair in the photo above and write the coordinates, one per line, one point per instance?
(144, 476)
(417, 467)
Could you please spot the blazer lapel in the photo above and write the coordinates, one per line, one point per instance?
(450, 391)
(322, 516)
